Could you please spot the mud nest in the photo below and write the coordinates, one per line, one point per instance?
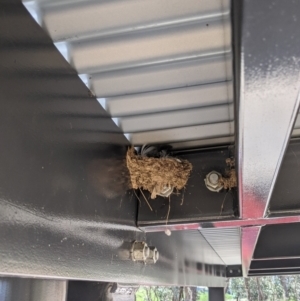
(230, 180)
(154, 174)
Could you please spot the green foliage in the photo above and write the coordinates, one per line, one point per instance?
(157, 293)
(154, 293)
(273, 288)
(203, 296)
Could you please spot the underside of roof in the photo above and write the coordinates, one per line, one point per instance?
(89, 78)
(163, 71)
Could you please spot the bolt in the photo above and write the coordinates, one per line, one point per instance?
(212, 181)
(213, 178)
(153, 255)
(166, 191)
(139, 251)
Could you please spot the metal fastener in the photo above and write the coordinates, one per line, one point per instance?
(212, 181)
(166, 191)
(153, 255)
(140, 251)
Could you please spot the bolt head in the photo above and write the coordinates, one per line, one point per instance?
(140, 251)
(212, 181)
(166, 191)
(213, 178)
(153, 255)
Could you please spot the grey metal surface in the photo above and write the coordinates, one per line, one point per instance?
(178, 119)
(249, 239)
(269, 99)
(111, 17)
(229, 223)
(212, 96)
(285, 199)
(226, 242)
(272, 257)
(21, 289)
(296, 129)
(190, 72)
(141, 58)
(216, 294)
(66, 212)
(195, 132)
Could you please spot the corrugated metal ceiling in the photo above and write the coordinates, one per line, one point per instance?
(161, 68)
(226, 242)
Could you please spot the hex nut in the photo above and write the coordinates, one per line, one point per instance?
(153, 255)
(140, 251)
(166, 191)
(212, 181)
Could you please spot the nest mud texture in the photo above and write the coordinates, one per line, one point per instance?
(230, 180)
(154, 174)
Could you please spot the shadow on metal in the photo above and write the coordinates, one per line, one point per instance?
(66, 211)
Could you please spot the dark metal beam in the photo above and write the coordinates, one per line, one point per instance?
(278, 241)
(285, 199)
(66, 208)
(287, 263)
(274, 272)
(234, 271)
(216, 294)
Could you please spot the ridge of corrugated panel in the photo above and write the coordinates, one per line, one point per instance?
(226, 243)
(161, 68)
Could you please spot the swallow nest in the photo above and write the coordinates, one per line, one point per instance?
(229, 181)
(154, 174)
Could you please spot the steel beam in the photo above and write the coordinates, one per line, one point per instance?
(65, 212)
(233, 223)
(216, 294)
(248, 242)
(19, 289)
(274, 272)
(287, 263)
(269, 97)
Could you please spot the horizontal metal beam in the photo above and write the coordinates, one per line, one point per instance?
(274, 272)
(223, 224)
(276, 258)
(234, 271)
(20, 289)
(274, 265)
